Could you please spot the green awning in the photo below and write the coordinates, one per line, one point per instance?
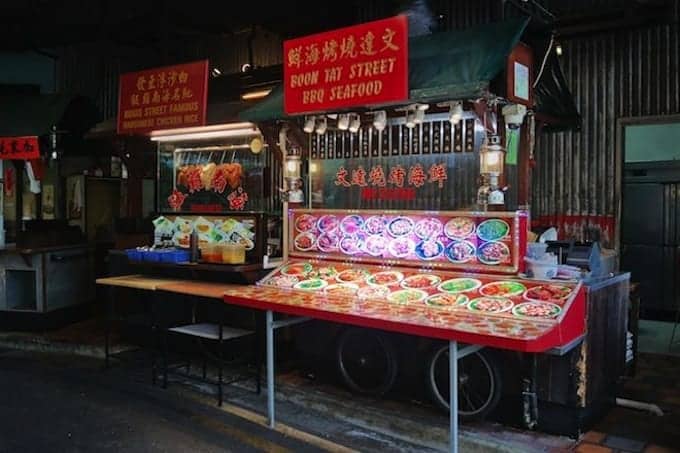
(35, 114)
(442, 66)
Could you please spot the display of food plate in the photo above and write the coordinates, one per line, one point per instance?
(324, 272)
(312, 284)
(297, 269)
(428, 228)
(548, 293)
(490, 304)
(341, 289)
(446, 300)
(305, 223)
(328, 242)
(328, 223)
(305, 242)
(401, 247)
(420, 281)
(545, 310)
(459, 285)
(400, 226)
(375, 224)
(385, 278)
(375, 245)
(502, 289)
(460, 251)
(407, 296)
(373, 292)
(351, 245)
(351, 224)
(459, 228)
(493, 230)
(428, 249)
(493, 253)
(282, 281)
(352, 275)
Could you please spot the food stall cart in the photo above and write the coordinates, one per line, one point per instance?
(414, 221)
(446, 275)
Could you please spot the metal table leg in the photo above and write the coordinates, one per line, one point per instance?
(107, 327)
(270, 366)
(453, 397)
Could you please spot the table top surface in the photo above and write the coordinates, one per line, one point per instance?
(138, 281)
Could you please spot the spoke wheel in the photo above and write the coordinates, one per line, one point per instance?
(479, 383)
(367, 361)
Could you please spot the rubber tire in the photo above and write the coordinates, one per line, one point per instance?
(385, 347)
(490, 365)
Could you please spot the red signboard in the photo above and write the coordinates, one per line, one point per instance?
(163, 98)
(19, 148)
(366, 64)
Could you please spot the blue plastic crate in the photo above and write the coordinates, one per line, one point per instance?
(151, 256)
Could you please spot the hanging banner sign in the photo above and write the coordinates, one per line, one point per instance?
(163, 98)
(19, 148)
(362, 65)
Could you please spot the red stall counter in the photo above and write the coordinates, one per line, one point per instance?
(483, 309)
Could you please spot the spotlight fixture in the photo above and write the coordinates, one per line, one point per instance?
(354, 123)
(309, 125)
(216, 72)
(321, 125)
(343, 121)
(410, 118)
(456, 112)
(380, 120)
(558, 50)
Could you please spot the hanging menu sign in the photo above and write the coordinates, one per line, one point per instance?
(163, 98)
(362, 65)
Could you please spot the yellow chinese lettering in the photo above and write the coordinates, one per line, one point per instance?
(387, 39)
(151, 85)
(156, 98)
(146, 98)
(141, 83)
(330, 50)
(347, 47)
(176, 96)
(134, 99)
(187, 93)
(161, 80)
(166, 95)
(366, 44)
(172, 78)
(295, 57)
(183, 77)
(312, 54)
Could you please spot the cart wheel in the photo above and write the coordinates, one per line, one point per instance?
(479, 383)
(367, 361)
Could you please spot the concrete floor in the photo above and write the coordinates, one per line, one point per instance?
(54, 403)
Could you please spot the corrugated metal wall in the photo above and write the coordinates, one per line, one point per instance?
(623, 73)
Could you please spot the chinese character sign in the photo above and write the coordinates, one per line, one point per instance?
(19, 148)
(163, 98)
(360, 65)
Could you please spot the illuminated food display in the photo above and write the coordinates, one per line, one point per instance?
(449, 240)
(428, 291)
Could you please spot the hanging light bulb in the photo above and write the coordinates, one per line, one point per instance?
(380, 120)
(355, 123)
(321, 125)
(456, 113)
(343, 122)
(309, 125)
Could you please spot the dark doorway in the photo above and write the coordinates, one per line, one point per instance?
(650, 222)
